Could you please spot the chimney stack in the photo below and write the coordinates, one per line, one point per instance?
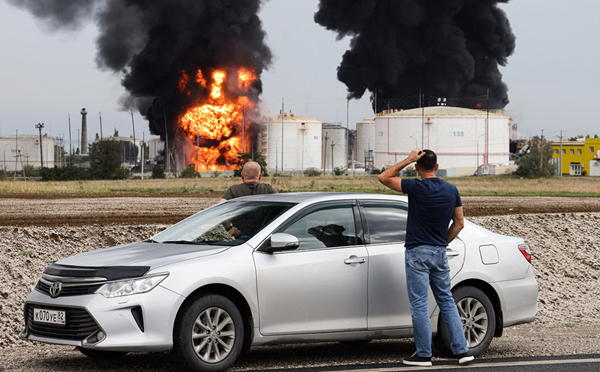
(84, 149)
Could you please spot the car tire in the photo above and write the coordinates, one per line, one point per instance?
(479, 321)
(209, 334)
(101, 354)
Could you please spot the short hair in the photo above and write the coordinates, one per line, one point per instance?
(428, 162)
(251, 170)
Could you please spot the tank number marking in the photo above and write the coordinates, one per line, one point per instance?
(459, 133)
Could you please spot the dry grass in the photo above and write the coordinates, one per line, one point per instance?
(498, 185)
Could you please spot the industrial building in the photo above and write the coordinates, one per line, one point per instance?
(18, 151)
(463, 139)
(577, 158)
(335, 147)
(291, 143)
(365, 142)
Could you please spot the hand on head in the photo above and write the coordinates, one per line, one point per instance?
(416, 154)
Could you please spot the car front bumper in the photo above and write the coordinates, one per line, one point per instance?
(112, 316)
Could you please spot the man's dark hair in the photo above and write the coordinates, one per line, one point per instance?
(428, 162)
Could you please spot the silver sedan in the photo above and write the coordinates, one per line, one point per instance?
(269, 269)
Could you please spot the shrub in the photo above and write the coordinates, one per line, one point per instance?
(409, 172)
(312, 172)
(68, 173)
(189, 172)
(339, 171)
(122, 174)
(537, 162)
(31, 171)
(2, 175)
(158, 172)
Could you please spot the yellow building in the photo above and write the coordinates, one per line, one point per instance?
(578, 157)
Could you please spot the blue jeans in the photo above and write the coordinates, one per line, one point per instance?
(427, 265)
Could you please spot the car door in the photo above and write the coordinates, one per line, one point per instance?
(384, 233)
(322, 285)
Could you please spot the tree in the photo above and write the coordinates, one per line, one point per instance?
(116, 133)
(105, 160)
(536, 163)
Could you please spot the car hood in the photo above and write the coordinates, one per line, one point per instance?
(152, 255)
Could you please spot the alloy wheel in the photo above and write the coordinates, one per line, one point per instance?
(213, 335)
(474, 319)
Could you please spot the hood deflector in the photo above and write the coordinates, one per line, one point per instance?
(109, 272)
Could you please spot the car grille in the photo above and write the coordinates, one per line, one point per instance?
(67, 290)
(79, 324)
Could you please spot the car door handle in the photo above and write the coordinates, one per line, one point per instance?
(352, 260)
(452, 253)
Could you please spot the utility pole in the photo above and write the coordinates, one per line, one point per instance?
(100, 114)
(143, 151)
(487, 128)
(39, 126)
(16, 154)
(134, 148)
(332, 145)
(325, 153)
(70, 143)
(243, 127)
(282, 116)
(561, 150)
(166, 142)
(541, 148)
(422, 104)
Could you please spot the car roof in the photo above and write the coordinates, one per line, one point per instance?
(313, 197)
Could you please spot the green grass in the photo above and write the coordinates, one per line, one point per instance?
(213, 187)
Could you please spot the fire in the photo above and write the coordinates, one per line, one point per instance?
(216, 125)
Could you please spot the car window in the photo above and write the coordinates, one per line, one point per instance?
(327, 227)
(386, 221)
(214, 225)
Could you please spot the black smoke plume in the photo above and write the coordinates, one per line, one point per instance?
(151, 42)
(444, 48)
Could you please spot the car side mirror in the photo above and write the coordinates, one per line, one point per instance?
(280, 242)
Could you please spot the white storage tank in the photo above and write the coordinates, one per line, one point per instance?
(297, 148)
(365, 139)
(457, 135)
(155, 145)
(336, 155)
(21, 150)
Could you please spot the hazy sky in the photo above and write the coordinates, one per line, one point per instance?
(552, 77)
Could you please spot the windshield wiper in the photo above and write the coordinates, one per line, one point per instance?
(150, 241)
(181, 242)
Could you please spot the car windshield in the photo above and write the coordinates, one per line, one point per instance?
(227, 224)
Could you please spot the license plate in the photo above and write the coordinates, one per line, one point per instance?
(49, 316)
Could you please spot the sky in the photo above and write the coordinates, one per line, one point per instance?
(553, 77)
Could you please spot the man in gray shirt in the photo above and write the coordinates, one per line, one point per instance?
(250, 186)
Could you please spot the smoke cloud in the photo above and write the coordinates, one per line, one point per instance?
(151, 43)
(445, 48)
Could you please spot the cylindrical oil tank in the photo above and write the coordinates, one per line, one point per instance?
(457, 135)
(335, 147)
(298, 148)
(365, 139)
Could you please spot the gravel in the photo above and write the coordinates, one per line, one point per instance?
(565, 249)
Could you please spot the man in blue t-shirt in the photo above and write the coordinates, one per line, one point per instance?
(432, 204)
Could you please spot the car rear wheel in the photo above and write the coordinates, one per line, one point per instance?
(101, 354)
(478, 318)
(209, 334)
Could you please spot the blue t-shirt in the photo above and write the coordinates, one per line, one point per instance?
(431, 204)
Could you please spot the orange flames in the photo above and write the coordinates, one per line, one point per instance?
(218, 121)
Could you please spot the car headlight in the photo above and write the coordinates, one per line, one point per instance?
(131, 286)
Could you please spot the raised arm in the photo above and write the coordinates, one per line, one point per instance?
(390, 176)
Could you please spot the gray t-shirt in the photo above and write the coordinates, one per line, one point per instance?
(248, 188)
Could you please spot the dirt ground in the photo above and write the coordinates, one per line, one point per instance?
(563, 233)
(56, 210)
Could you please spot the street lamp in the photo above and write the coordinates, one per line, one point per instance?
(416, 143)
(39, 126)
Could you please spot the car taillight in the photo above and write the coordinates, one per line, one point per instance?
(524, 248)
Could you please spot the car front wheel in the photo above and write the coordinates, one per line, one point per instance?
(209, 334)
(478, 319)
